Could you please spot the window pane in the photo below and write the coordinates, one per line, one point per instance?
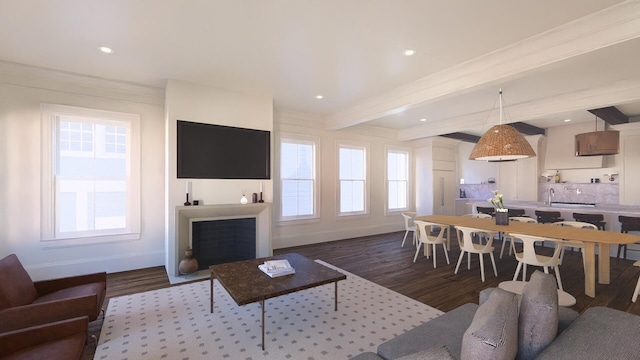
(297, 174)
(397, 179)
(91, 174)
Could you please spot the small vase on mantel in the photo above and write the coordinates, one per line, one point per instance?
(189, 264)
(502, 217)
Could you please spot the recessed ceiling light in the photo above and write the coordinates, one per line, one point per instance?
(105, 49)
(423, 120)
(409, 52)
(567, 120)
(319, 97)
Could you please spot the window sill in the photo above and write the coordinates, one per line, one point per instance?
(87, 241)
(290, 222)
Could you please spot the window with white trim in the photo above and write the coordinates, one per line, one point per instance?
(352, 178)
(298, 184)
(91, 182)
(397, 180)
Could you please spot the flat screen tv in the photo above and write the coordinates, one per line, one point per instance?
(207, 151)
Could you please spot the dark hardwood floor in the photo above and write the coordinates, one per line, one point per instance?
(380, 259)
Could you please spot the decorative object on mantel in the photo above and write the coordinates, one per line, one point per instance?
(261, 201)
(502, 143)
(187, 203)
(502, 214)
(243, 199)
(189, 264)
(612, 176)
(254, 198)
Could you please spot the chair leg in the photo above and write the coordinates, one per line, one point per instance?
(562, 254)
(636, 291)
(417, 251)
(493, 262)
(504, 240)
(433, 249)
(459, 261)
(405, 238)
(481, 266)
(524, 272)
(469, 261)
(446, 254)
(557, 270)
(515, 276)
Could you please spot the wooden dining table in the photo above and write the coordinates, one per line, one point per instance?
(590, 238)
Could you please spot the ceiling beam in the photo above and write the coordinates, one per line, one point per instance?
(613, 25)
(620, 92)
(527, 129)
(462, 136)
(611, 115)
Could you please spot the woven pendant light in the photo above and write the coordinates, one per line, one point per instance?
(502, 143)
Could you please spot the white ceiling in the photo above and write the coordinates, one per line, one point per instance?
(553, 59)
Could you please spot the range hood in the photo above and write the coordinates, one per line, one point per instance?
(598, 143)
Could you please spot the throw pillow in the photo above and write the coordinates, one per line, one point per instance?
(493, 333)
(538, 322)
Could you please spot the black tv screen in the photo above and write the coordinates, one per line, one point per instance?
(207, 151)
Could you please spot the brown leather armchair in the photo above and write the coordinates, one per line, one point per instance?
(63, 340)
(25, 303)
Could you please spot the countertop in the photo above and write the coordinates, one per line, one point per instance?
(599, 208)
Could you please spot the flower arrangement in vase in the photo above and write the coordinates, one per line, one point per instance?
(502, 214)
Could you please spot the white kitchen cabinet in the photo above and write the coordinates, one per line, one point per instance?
(518, 180)
(435, 166)
(629, 189)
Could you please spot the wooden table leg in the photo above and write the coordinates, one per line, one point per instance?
(604, 259)
(262, 306)
(590, 269)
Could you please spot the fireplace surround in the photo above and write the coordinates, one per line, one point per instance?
(186, 215)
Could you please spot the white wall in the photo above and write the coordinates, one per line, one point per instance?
(331, 227)
(473, 171)
(22, 90)
(211, 105)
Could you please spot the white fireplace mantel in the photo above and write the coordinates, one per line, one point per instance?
(184, 214)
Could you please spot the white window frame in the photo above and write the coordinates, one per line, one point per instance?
(302, 139)
(407, 152)
(49, 236)
(360, 146)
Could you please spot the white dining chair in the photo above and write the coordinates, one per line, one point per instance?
(425, 238)
(465, 240)
(529, 256)
(506, 237)
(409, 226)
(574, 243)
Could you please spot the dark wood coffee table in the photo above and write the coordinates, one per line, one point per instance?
(247, 284)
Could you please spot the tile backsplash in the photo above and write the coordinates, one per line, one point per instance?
(479, 191)
(599, 193)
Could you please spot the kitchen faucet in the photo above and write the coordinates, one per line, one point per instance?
(552, 193)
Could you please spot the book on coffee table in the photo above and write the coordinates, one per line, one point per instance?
(275, 268)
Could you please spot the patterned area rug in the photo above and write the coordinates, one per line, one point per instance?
(175, 323)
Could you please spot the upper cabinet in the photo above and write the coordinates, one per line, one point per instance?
(561, 148)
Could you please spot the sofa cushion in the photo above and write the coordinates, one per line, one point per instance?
(599, 333)
(446, 329)
(435, 353)
(493, 333)
(538, 321)
(16, 286)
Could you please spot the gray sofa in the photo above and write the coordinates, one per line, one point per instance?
(510, 326)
